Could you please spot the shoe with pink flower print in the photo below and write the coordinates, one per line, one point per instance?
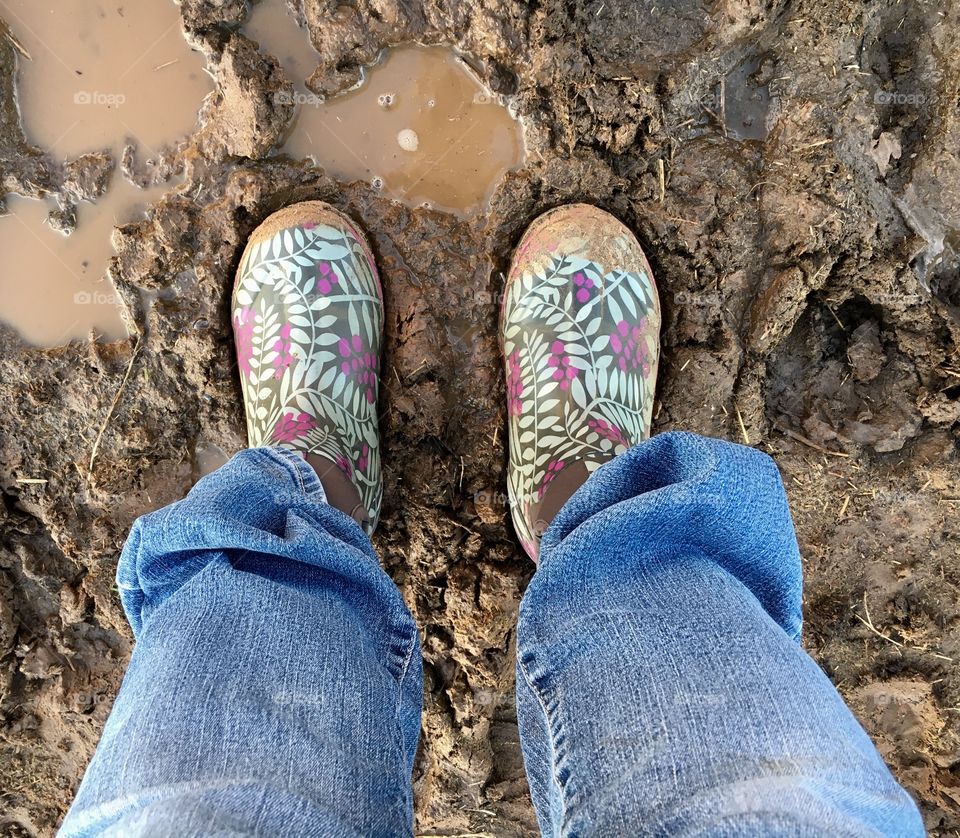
(307, 318)
(580, 326)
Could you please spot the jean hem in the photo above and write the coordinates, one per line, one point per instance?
(298, 468)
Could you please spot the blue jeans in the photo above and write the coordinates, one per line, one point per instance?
(276, 683)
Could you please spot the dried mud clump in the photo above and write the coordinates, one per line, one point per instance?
(791, 172)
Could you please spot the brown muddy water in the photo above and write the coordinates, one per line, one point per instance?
(420, 125)
(54, 288)
(100, 72)
(93, 76)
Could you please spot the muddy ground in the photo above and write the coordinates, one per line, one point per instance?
(791, 169)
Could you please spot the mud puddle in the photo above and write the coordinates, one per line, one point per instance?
(420, 126)
(99, 72)
(93, 77)
(54, 288)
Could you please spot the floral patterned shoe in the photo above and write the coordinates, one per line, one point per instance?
(580, 325)
(307, 317)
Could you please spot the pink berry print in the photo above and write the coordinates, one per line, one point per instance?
(358, 361)
(326, 278)
(553, 469)
(559, 361)
(244, 321)
(585, 287)
(630, 348)
(292, 426)
(284, 349)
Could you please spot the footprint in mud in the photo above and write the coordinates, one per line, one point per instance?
(837, 393)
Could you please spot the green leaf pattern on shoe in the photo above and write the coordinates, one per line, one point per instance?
(308, 318)
(581, 341)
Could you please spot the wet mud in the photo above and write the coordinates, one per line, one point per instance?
(791, 170)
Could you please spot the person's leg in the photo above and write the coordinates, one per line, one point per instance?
(661, 687)
(275, 687)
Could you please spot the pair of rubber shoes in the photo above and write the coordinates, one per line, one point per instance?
(579, 326)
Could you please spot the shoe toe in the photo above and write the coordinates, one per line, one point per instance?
(308, 321)
(580, 331)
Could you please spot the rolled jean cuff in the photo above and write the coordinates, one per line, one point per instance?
(679, 493)
(263, 501)
(300, 470)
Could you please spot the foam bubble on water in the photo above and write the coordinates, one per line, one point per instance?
(386, 100)
(408, 140)
(376, 182)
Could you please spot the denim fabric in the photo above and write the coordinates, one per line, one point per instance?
(661, 688)
(276, 683)
(275, 687)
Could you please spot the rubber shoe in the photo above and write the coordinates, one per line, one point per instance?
(580, 327)
(307, 317)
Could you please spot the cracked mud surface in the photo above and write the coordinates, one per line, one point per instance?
(811, 300)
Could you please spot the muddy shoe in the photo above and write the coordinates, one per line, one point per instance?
(580, 326)
(307, 317)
